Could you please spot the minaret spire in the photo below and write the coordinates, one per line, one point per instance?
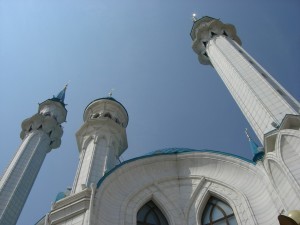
(40, 134)
(110, 92)
(257, 151)
(194, 17)
(61, 95)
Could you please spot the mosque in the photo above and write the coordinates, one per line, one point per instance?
(175, 186)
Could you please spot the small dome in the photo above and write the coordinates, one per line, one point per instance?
(60, 196)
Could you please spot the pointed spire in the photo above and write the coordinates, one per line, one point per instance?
(257, 151)
(194, 17)
(110, 93)
(60, 97)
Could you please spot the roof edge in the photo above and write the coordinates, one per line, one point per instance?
(170, 151)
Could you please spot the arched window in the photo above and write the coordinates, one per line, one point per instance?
(218, 212)
(150, 214)
(96, 115)
(107, 115)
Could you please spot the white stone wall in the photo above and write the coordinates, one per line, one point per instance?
(283, 168)
(72, 210)
(93, 163)
(250, 85)
(181, 184)
(290, 152)
(76, 220)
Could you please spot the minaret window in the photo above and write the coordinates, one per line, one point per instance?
(150, 214)
(107, 115)
(47, 114)
(218, 212)
(213, 34)
(96, 115)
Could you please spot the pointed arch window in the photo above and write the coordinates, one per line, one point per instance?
(218, 212)
(150, 214)
(107, 115)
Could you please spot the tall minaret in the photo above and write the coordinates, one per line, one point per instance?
(40, 133)
(263, 101)
(101, 140)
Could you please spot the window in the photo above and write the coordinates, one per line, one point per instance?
(218, 212)
(107, 115)
(150, 214)
(96, 115)
(213, 34)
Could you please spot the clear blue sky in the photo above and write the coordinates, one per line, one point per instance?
(142, 49)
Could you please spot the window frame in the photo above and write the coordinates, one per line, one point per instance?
(211, 203)
(152, 208)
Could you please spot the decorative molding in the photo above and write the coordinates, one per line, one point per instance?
(70, 206)
(46, 124)
(206, 29)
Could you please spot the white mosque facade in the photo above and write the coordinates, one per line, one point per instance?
(173, 186)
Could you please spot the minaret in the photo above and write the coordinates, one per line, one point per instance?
(40, 133)
(101, 140)
(263, 101)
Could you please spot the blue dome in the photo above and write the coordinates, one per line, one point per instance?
(60, 196)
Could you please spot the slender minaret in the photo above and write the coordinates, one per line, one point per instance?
(101, 140)
(263, 101)
(40, 133)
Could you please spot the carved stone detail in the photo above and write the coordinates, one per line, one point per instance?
(204, 30)
(45, 123)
